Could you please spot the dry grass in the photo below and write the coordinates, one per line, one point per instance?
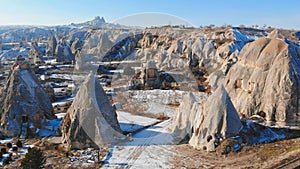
(162, 116)
(289, 34)
(270, 155)
(136, 110)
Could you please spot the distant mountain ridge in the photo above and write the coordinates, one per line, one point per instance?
(19, 33)
(96, 22)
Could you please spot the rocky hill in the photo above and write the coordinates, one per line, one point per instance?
(96, 22)
(171, 45)
(243, 59)
(266, 79)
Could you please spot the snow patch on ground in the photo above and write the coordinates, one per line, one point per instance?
(150, 148)
(60, 115)
(6, 140)
(131, 123)
(241, 37)
(50, 129)
(63, 101)
(13, 53)
(68, 76)
(21, 151)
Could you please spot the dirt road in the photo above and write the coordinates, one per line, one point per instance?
(149, 148)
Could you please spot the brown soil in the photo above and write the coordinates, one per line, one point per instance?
(273, 155)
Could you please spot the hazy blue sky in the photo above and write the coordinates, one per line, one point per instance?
(278, 13)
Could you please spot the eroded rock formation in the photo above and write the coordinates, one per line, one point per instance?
(266, 79)
(91, 121)
(76, 46)
(35, 55)
(217, 120)
(207, 122)
(171, 48)
(63, 52)
(24, 96)
(51, 46)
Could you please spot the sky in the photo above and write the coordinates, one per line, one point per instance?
(275, 13)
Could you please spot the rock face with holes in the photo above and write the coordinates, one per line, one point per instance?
(91, 121)
(217, 119)
(24, 96)
(206, 123)
(266, 79)
(170, 48)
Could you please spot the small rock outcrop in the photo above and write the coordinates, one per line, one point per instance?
(24, 96)
(91, 121)
(266, 79)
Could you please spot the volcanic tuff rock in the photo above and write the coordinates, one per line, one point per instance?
(91, 120)
(24, 95)
(106, 45)
(207, 122)
(194, 46)
(266, 79)
(76, 45)
(51, 46)
(122, 48)
(95, 46)
(35, 54)
(184, 117)
(63, 52)
(170, 47)
(98, 43)
(217, 119)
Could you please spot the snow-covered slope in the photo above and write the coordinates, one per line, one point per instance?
(10, 54)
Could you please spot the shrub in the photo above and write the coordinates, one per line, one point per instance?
(162, 116)
(33, 159)
(9, 145)
(19, 144)
(3, 150)
(15, 148)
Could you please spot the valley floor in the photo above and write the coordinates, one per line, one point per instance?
(151, 146)
(280, 154)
